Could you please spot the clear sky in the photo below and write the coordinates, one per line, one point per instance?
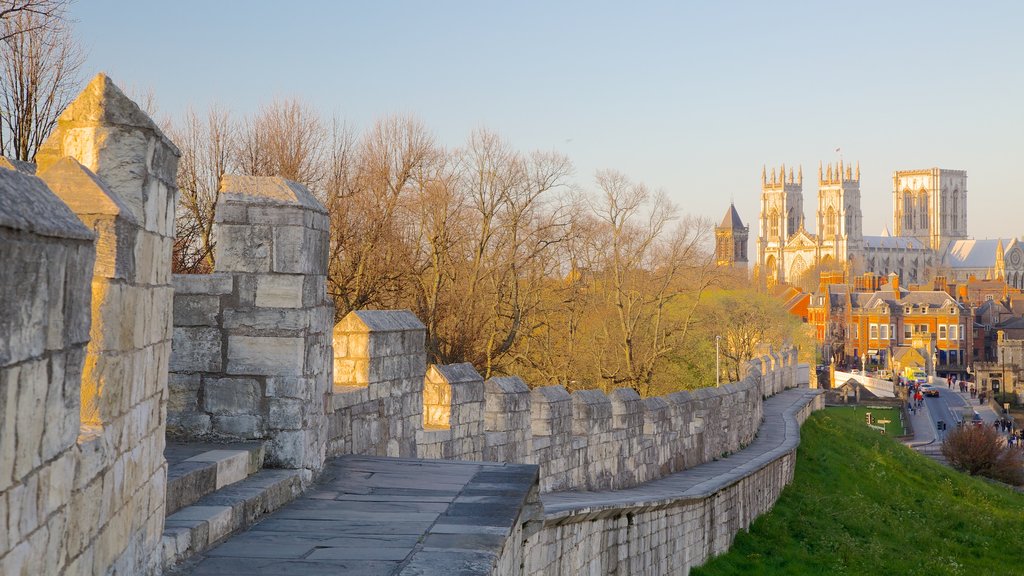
(690, 97)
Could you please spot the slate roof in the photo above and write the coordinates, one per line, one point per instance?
(901, 242)
(732, 219)
(974, 253)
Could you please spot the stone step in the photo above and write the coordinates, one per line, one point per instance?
(196, 528)
(195, 470)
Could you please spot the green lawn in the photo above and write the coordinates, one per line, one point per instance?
(861, 503)
(893, 428)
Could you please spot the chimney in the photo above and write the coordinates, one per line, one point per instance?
(894, 283)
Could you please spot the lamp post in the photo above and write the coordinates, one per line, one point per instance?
(718, 363)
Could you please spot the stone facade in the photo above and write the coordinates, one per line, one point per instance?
(84, 387)
(251, 341)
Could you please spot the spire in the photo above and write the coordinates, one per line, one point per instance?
(791, 175)
(820, 173)
(800, 174)
(858, 170)
(732, 219)
(773, 175)
(764, 175)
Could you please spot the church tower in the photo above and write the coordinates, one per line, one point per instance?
(930, 205)
(731, 241)
(782, 215)
(840, 227)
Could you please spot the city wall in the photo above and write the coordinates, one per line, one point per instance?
(387, 403)
(103, 355)
(85, 335)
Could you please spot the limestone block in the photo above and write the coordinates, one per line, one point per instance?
(32, 385)
(265, 355)
(8, 419)
(260, 321)
(196, 310)
(551, 411)
(279, 290)
(278, 215)
(231, 396)
(245, 426)
(289, 387)
(285, 413)
(242, 248)
(210, 284)
(314, 293)
(591, 412)
(196, 349)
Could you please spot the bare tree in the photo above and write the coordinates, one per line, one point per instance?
(287, 138)
(207, 148)
(43, 10)
(39, 73)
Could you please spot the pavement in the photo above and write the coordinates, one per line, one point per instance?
(373, 516)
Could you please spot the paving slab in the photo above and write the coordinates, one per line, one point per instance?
(369, 515)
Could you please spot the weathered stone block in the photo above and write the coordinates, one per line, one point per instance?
(265, 355)
(196, 350)
(262, 321)
(196, 310)
(231, 395)
(243, 248)
(244, 426)
(279, 290)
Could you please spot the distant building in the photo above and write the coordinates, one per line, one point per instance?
(877, 325)
(731, 241)
(929, 235)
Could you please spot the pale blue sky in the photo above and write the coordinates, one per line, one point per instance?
(690, 97)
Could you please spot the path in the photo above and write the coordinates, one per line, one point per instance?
(370, 516)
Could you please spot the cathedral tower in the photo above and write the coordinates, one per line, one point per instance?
(930, 205)
(782, 215)
(840, 230)
(731, 241)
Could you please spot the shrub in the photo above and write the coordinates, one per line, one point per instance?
(981, 451)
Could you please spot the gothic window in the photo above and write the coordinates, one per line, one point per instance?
(849, 220)
(955, 217)
(908, 210)
(830, 222)
(773, 224)
(792, 221)
(922, 210)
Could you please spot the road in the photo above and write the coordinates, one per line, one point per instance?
(949, 407)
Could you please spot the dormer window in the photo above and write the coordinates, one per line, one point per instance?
(908, 309)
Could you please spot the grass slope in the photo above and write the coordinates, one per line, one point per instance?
(861, 503)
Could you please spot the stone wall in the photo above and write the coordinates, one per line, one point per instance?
(251, 357)
(664, 535)
(585, 440)
(379, 369)
(88, 377)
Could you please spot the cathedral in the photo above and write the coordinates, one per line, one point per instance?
(928, 238)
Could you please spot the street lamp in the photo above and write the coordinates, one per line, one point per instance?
(718, 363)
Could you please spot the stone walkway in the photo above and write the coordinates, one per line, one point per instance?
(779, 433)
(372, 516)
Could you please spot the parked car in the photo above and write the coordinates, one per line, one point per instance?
(929, 390)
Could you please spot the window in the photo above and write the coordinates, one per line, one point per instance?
(856, 332)
(922, 328)
(952, 331)
(883, 332)
(908, 331)
(873, 331)
(892, 330)
(961, 332)
(953, 357)
(942, 331)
